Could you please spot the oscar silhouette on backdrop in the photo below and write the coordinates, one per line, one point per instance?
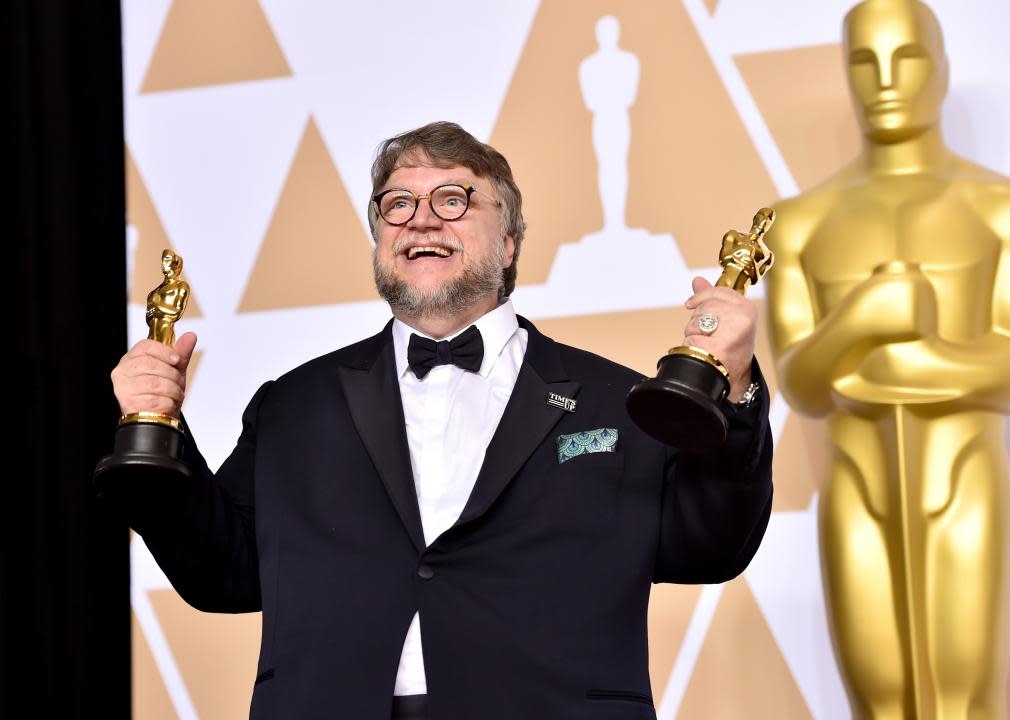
(584, 270)
(890, 307)
(609, 82)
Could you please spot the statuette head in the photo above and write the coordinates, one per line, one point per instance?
(171, 264)
(897, 68)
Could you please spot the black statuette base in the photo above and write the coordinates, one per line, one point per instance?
(680, 406)
(143, 446)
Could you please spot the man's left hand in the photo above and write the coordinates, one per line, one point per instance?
(733, 340)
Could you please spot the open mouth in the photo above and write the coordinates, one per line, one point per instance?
(427, 251)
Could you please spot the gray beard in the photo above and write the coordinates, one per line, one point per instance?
(477, 281)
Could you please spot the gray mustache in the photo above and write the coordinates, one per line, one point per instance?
(447, 241)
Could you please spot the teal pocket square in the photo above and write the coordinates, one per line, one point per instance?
(588, 441)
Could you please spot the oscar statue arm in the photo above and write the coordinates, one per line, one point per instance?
(799, 345)
(167, 301)
(894, 304)
(975, 372)
(807, 349)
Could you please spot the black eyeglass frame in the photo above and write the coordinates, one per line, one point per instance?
(468, 189)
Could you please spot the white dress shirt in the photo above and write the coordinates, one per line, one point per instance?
(450, 417)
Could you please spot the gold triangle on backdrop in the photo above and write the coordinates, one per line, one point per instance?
(315, 251)
(150, 697)
(670, 610)
(711, 5)
(816, 129)
(740, 671)
(152, 240)
(213, 43)
(551, 150)
(693, 171)
(216, 654)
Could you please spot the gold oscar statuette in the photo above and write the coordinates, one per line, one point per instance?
(680, 406)
(890, 317)
(152, 440)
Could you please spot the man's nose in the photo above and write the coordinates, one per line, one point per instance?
(424, 218)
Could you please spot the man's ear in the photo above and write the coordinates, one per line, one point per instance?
(373, 219)
(510, 250)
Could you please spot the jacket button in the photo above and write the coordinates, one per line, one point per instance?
(425, 572)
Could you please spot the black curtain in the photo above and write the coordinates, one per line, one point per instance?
(64, 563)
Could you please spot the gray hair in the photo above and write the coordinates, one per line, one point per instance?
(446, 143)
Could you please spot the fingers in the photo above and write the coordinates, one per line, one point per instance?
(733, 340)
(151, 377)
(698, 283)
(693, 327)
(727, 306)
(703, 290)
(151, 348)
(184, 347)
(153, 403)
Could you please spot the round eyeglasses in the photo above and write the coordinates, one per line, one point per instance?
(447, 202)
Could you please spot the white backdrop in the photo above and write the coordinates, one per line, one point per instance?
(251, 127)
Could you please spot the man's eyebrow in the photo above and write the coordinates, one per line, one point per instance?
(451, 181)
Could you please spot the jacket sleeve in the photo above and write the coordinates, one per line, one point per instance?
(202, 532)
(716, 505)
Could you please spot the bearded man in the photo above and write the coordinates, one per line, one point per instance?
(455, 518)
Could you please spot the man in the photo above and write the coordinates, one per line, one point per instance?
(443, 535)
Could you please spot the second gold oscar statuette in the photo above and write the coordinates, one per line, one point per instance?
(152, 441)
(680, 406)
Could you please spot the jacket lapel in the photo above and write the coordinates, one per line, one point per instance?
(527, 420)
(373, 397)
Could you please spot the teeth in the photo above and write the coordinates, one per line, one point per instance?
(440, 251)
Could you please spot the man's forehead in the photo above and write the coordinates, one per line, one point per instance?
(422, 166)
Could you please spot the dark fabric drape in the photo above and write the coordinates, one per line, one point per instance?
(64, 563)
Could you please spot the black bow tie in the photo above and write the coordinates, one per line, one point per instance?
(466, 350)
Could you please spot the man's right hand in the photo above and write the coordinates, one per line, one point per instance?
(151, 377)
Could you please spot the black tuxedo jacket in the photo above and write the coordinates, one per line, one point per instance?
(533, 605)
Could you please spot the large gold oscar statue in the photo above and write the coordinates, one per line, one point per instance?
(890, 309)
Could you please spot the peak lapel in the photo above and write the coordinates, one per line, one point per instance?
(373, 397)
(527, 420)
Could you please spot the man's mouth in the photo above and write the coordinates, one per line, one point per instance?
(421, 251)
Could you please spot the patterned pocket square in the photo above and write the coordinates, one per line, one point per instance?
(587, 441)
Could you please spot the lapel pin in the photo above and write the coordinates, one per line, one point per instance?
(565, 403)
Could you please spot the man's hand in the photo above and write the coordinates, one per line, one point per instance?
(733, 341)
(151, 377)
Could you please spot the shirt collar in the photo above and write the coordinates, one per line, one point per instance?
(496, 328)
